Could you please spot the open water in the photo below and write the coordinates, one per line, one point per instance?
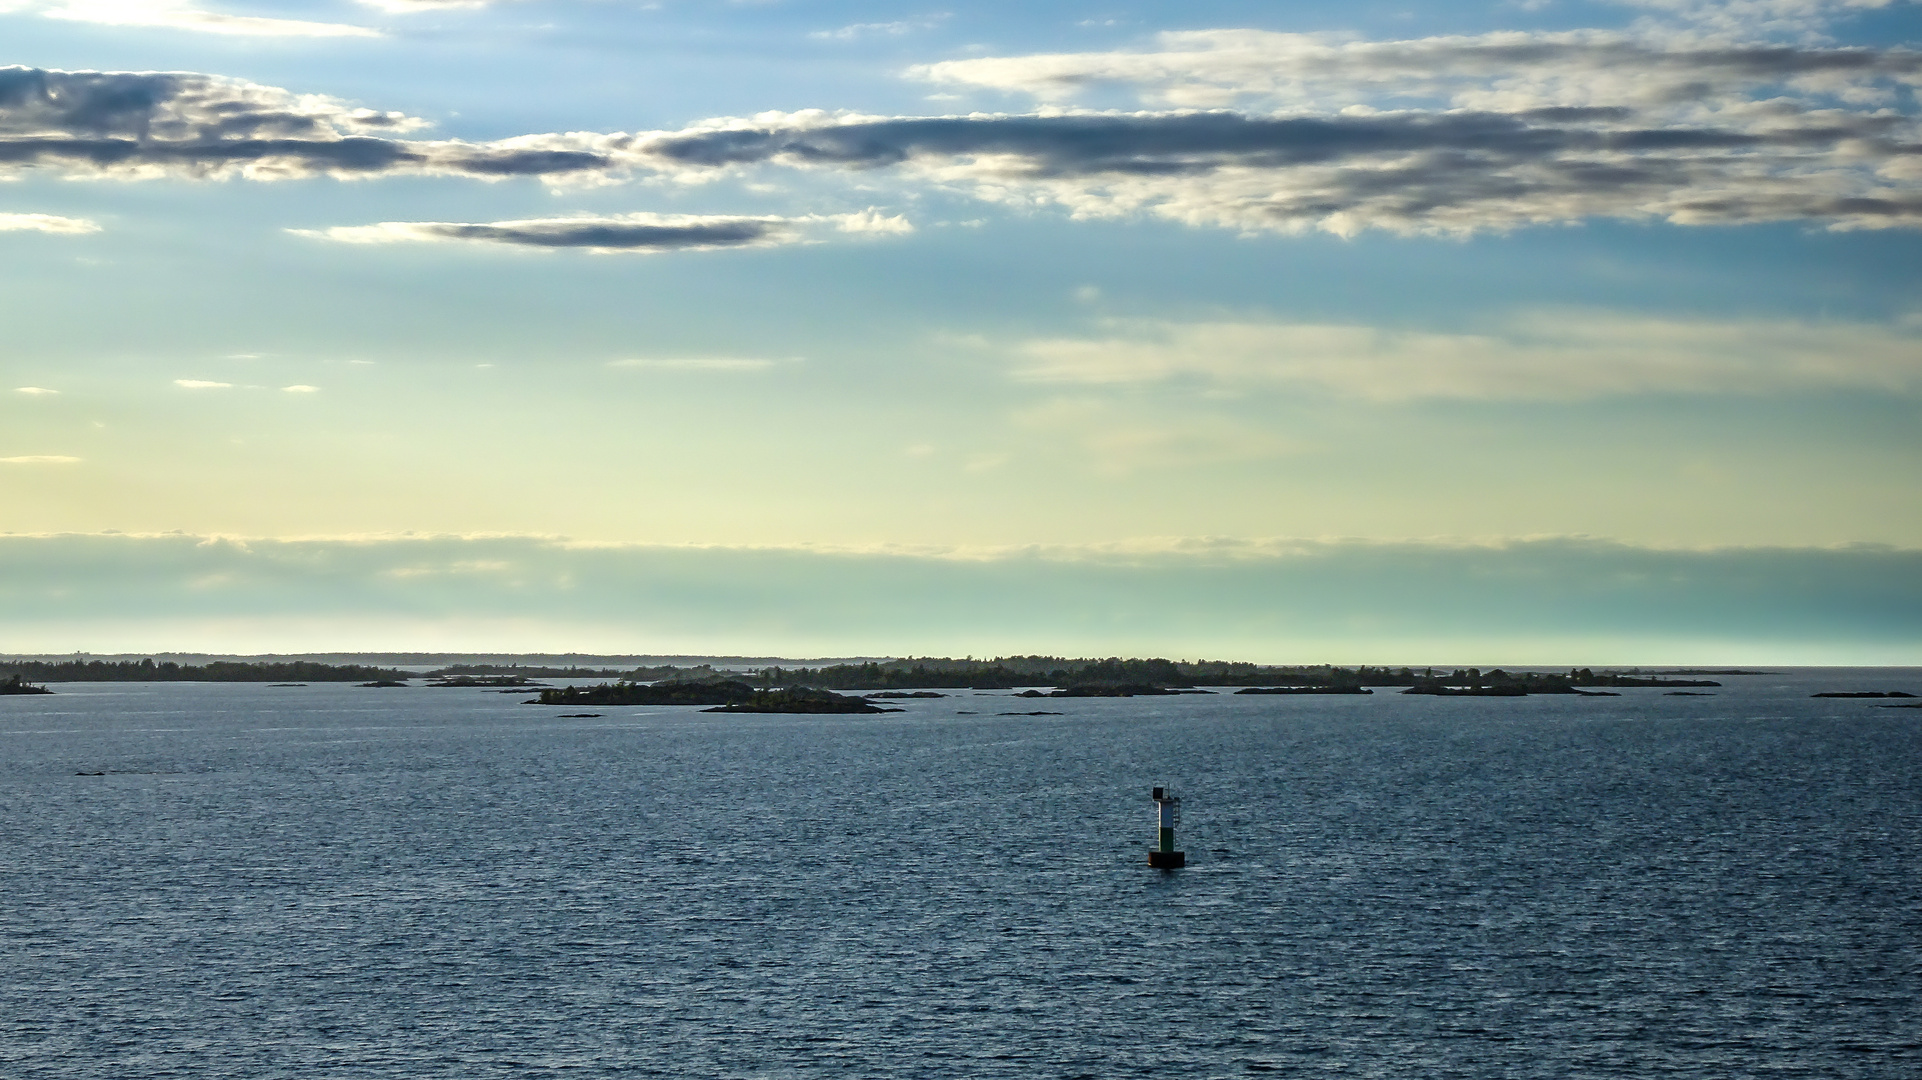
(334, 882)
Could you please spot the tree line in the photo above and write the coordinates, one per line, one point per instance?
(44, 671)
(1008, 672)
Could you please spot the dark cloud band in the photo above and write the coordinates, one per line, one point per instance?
(1408, 171)
(614, 235)
(173, 123)
(1084, 145)
(350, 155)
(1455, 169)
(640, 233)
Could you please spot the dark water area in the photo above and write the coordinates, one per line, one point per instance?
(337, 882)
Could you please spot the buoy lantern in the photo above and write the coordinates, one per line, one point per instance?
(1163, 855)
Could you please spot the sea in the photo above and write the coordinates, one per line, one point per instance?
(329, 881)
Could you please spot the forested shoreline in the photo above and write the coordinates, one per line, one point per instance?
(912, 673)
(1012, 672)
(42, 671)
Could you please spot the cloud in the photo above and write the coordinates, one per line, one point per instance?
(181, 16)
(899, 28)
(1411, 171)
(733, 364)
(1542, 355)
(300, 388)
(134, 125)
(40, 459)
(1751, 17)
(1673, 75)
(47, 223)
(202, 384)
(33, 391)
(637, 232)
(1299, 132)
(1550, 600)
(866, 222)
(641, 232)
(1454, 133)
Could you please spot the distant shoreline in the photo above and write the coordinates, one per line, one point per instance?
(875, 674)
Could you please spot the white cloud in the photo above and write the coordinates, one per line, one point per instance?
(871, 221)
(1545, 355)
(466, 566)
(181, 16)
(1655, 71)
(47, 223)
(202, 384)
(898, 28)
(40, 459)
(33, 391)
(300, 388)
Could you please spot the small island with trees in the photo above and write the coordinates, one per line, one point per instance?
(721, 695)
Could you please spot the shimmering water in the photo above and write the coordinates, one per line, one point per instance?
(340, 882)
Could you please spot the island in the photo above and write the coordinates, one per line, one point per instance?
(1862, 694)
(719, 695)
(800, 700)
(17, 685)
(699, 692)
(517, 681)
(1472, 682)
(1306, 690)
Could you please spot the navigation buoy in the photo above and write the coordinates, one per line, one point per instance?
(1163, 855)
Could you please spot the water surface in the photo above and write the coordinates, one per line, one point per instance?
(331, 881)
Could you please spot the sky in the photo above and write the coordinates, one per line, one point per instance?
(1524, 332)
